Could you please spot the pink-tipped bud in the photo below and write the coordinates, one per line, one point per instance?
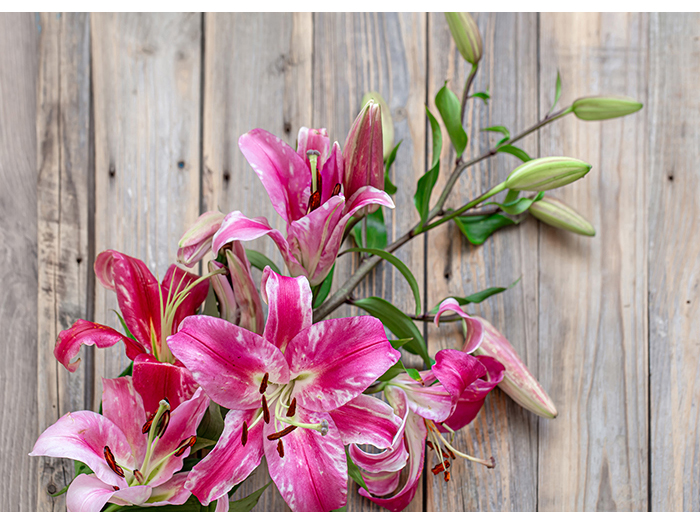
(196, 241)
(518, 382)
(363, 151)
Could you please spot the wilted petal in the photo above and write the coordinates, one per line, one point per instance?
(227, 361)
(172, 492)
(88, 494)
(284, 174)
(247, 297)
(335, 360)
(196, 241)
(86, 333)
(290, 309)
(313, 139)
(367, 420)
(175, 281)
(124, 407)
(154, 381)
(475, 330)
(229, 462)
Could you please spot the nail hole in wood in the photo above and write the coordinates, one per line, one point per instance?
(51, 489)
(287, 127)
(670, 177)
(79, 260)
(112, 171)
(227, 176)
(181, 164)
(687, 302)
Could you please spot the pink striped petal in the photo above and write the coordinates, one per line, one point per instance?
(331, 173)
(247, 296)
(284, 174)
(312, 476)
(172, 492)
(88, 494)
(228, 307)
(335, 360)
(382, 483)
(86, 333)
(222, 504)
(227, 361)
(456, 371)
(431, 402)
(154, 381)
(367, 420)
(290, 309)
(122, 405)
(177, 280)
(229, 462)
(475, 330)
(196, 241)
(313, 139)
(364, 151)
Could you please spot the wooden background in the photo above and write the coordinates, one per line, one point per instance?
(116, 131)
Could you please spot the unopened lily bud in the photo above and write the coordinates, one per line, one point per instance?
(520, 385)
(466, 35)
(603, 108)
(555, 213)
(362, 154)
(196, 241)
(387, 122)
(546, 173)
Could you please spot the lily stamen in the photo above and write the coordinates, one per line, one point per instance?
(280, 448)
(263, 383)
(282, 433)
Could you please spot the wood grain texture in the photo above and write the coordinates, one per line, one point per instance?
(257, 74)
(146, 85)
(674, 261)
(502, 429)
(593, 292)
(354, 54)
(63, 197)
(19, 39)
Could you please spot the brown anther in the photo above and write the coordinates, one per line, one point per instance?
(138, 476)
(266, 410)
(244, 434)
(163, 423)
(430, 445)
(440, 467)
(446, 455)
(280, 448)
(292, 408)
(115, 487)
(336, 190)
(147, 425)
(263, 383)
(447, 476)
(281, 433)
(493, 463)
(109, 457)
(314, 200)
(189, 442)
(452, 454)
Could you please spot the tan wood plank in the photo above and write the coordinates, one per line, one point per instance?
(502, 429)
(257, 74)
(19, 42)
(146, 85)
(63, 195)
(593, 292)
(674, 114)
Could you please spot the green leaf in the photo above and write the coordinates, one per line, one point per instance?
(478, 229)
(424, 190)
(259, 261)
(500, 129)
(450, 110)
(246, 504)
(517, 206)
(388, 185)
(478, 296)
(125, 328)
(399, 368)
(400, 266)
(437, 137)
(398, 343)
(191, 505)
(557, 93)
(129, 370)
(482, 95)
(324, 288)
(515, 151)
(397, 322)
(376, 231)
(354, 472)
(212, 424)
(344, 508)
(413, 374)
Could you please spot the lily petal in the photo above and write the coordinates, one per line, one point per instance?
(247, 296)
(124, 407)
(172, 492)
(88, 494)
(456, 371)
(196, 241)
(228, 307)
(313, 139)
(222, 504)
(431, 402)
(367, 420)
(332, 173)
(154, 381)
(475, 330)
(290, 307)
(382, 483)
(364, 151)
(175, 281)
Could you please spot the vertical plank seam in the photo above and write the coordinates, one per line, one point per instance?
(89, 385)
(202, 73)
(425, 235)
(539, 270)
(648, 247)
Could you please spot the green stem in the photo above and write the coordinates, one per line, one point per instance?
(467, 87)
(493, 191)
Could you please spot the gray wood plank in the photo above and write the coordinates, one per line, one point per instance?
(19, 43)
(353, 54)
(63, 195)
(502, 429)
(146, 85)
(674, 115)
(593, 291)
(257, 74)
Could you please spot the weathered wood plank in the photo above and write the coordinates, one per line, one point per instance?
(353, 54)
(63, 197)
(503, 429)
(19, 40)
(674, 261)
(257, 74)
(146, 78)
(593, 292)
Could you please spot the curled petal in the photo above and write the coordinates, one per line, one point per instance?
(475, 330)
(88, 494)
(228, 307)
(431, 402)
(196, 241)
(367, 420)
(247, 297)
(172, 492)
(290, 309)
(456, 371)
(154, 381)
(382, 483)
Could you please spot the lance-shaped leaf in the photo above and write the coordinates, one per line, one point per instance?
(478, 296)
(515, 151)
(557, 93)
(516, 206)
(259, 261)
(388, 162)
(479, 228)
(376, 231)
(500, 129)
(450, 110)
(424, 190)
(249, 502)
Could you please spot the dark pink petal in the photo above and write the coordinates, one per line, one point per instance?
(335, 360)
(247, 296)
(332, 173)
(367, 420)
(122, 405)
(363, 151)
(154, 381)
(177, 280)
(290, 307)
(83, 436)
(196, 241)
(475, 330)
(172, 492)
(431, 402)
(227, 361)
(382, 483)
(229, 462)
(456, 371)
(86, 333)
(312, 476)
(313, 139)
(284, 174)
(88, 494)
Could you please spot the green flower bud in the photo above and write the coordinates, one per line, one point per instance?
(602, 108)
(546, 173)
(466, 35)
(555, 213)
(387, 123)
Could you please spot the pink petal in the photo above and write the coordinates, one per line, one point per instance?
(177, 280)
(136, 495)
(124, 407)
(247, 296)
(367, 420)
(154, 381)
(88, 494)
(227, 361)
(312, 475)
(431, 402)
(222, 504)
(315, 139)
(284, 174)
(229, 462)
(335, 360)
(364, 151)
(290, 309)
(228, 307)
(456, 371)
(196, 241)
(331, 173)
(475, 330)
(172, 492)
(382, 483)
(86, 333)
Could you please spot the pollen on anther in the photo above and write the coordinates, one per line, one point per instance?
(440, 467)
(447, 476)
(109, 457)
(147, 425)
(266, 410)
(280, 448)
(263, 383)
(336, 190)
(244, 434)
(292, 408)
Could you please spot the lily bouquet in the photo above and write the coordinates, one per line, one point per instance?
(212, 390)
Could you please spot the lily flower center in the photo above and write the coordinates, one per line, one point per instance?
(316, 181)
(436, 442)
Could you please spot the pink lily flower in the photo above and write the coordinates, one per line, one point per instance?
(294, 394)
(364, 151)
(306, 190)
(134, 458)
(151, 312)
(196, 242)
